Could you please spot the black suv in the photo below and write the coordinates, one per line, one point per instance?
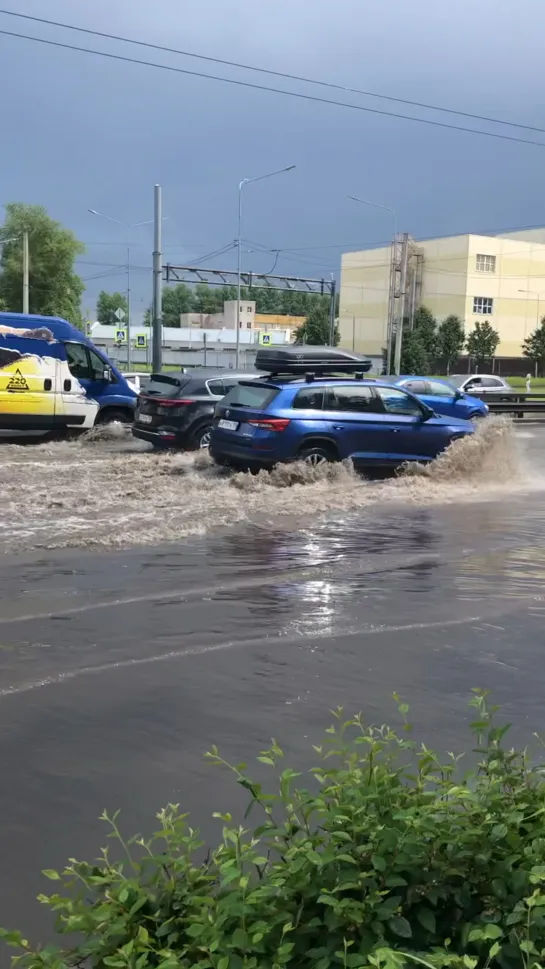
(176, 409)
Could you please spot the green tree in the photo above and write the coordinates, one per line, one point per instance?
(207, 299)
(534, 346)
(54, 288)
(107, 304)
(176, 300)
(315, 329)
(419, 344)
(266, 300)
(450, 340)
(482, 342)
(425, 325)
(414, 357)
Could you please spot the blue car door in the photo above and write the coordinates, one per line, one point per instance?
(353, 414)
(407, 436)
(444, 400)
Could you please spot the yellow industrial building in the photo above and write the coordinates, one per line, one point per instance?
(497, 278)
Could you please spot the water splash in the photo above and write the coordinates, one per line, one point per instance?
(54, 495)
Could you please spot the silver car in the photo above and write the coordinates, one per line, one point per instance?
(475, 383)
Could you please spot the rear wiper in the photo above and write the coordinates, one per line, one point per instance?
(235, 403)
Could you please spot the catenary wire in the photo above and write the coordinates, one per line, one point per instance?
(264, 70)
(272, 90)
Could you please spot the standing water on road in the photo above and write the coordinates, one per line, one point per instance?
(97, 492)
(123, 661)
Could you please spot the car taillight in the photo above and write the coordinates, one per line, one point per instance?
(271, 423)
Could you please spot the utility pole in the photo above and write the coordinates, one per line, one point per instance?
(157, 352)
(402, 302)
(129, 348)
(332, 307)
(25, 272)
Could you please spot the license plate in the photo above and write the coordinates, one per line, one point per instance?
(228, 425)
(145, 418)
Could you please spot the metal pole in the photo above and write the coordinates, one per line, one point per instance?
(239, 269)
(157, 353)
(129, 349)
(332, 313)
(353, 333)
(25, 272)
(402, 298)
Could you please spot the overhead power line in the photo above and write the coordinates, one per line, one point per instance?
(265, 70)
(272, 90)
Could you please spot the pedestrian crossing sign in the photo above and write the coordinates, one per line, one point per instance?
(121, 336)
(265, 339)
(141, 341)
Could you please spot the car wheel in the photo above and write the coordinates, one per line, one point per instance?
(201, 438)
(477, 416)
(112, 416)
(316, 455)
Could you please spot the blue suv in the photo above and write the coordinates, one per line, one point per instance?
(316, 419)
(442, 397)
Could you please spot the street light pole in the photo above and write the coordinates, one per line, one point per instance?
(25, 273)
(128, 226)
(246, 181)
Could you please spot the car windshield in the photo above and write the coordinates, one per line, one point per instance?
(458, 379)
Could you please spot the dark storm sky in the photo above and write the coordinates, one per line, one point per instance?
(80, 131)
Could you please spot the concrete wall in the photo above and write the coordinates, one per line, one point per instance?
(444, 276)
(363, 303)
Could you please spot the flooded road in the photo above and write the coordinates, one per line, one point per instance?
(122, 662)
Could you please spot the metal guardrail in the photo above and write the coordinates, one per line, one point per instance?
(513, 402)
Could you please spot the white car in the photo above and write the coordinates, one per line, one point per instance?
(136, 380)
(474, 383)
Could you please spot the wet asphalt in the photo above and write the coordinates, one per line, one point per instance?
(119, 669)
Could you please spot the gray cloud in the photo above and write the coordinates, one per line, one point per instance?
(80, 131)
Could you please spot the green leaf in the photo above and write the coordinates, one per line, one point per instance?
(51, 874)
(223, 963)
(266, 760)
(470, 962)
(400, 927)
(492, 931)
(498, 832)
(378, 862)
(395, 881)
(427, 919)
(195, 930)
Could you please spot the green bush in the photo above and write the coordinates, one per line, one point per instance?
(390, 857)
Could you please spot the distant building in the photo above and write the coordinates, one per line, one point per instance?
(499, 279)
(248, 318)
(188, 345)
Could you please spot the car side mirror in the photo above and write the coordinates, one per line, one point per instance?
(107, 375)
(427, 413)
(458, 395)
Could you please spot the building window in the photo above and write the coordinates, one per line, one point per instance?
(249, 325)
(483, 305)
(486, 264)
(249, 309)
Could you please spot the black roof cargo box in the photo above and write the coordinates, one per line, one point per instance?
(310, 359)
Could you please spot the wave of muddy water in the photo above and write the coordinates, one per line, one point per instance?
(94, 493)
